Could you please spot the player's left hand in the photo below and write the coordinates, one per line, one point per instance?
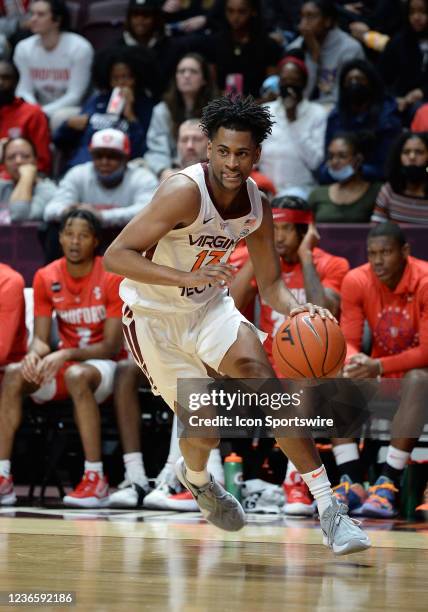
(362, 366)
(51, 364)
(313, 310)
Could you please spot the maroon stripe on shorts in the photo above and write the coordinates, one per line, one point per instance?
(140, 360)
(130, 344)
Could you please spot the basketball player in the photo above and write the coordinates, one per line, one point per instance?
(178, 316)
(310, 274)
(85, 299)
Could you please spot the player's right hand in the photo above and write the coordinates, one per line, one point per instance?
(30, 368)
(218, 275)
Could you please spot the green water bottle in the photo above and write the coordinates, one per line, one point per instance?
(233, 475)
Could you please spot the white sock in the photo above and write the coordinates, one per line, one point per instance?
(174, 448)
(397, 458)
(215, 465)
(320, 487)
(5, 468)
(94, 466)
(290, 468)
(199, 479)
(346, 452)
(134, 468)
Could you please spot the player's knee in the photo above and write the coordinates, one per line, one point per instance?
(13, 379)
(76, 380)
(416, 375)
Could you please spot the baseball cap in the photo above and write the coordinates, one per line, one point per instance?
(110, 139)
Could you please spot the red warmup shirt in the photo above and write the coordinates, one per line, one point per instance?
(13, 333)
(28, 120)
(398, 319)
(331, 271)
(81, 304)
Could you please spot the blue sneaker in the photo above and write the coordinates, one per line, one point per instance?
(381, 502)
(352, 494)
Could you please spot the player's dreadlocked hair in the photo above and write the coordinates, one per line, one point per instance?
(236, 113)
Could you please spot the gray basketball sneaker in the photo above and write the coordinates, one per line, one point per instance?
(341, 533)
(217, 505)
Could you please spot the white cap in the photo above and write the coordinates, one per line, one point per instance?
(111, 139)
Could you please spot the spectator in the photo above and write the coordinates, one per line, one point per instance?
(120, 72)
(404, 62)
(145, 31)
(14, 20)
(294, 149)
(326, 49)
(371, 21)
(24, 195)
(390, 292)
(188, 93)
(420, 120)
(404, 198)
(54, 64)
(18, 118)
(86, 301)
(191, 147)
(13, 333)
(364, 108)
(241, 51)
(107, 184)
(351, 198)
(311, 275)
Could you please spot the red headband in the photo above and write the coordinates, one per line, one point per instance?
(291, 59)
(290, 215)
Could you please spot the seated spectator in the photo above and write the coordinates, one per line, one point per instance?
(312, 275)
(107, 184)
(404, 62)
(20, 119)
(241, 51)
(295, 147)
(390, 292)
(144, 30)
(404, 198)
(191, 89)
(191, 147)
(129, 78)
(54, 64)
(326, 49)
(363, 107)
(351, 198)
(85, 299)
(13, 333)
(23, 194)
(420, 120)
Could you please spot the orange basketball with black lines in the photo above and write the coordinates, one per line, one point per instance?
(309, 347)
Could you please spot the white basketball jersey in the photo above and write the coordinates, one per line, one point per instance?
(208, 240)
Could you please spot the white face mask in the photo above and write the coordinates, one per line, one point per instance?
(343, 174)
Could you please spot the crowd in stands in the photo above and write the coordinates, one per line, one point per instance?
(89, 127)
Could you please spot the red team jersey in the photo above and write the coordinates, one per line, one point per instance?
(81, 304)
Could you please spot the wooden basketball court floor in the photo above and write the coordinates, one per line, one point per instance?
(152, 560)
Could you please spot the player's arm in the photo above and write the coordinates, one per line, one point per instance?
(38, 349)
(241, 288)
(315, 292)
(267, 270)
(176, 204)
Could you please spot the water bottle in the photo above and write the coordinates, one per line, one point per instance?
(233, 475)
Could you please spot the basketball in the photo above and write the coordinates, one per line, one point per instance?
(306, 347)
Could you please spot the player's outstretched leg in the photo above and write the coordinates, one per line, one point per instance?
(217, 505)
(246, 359)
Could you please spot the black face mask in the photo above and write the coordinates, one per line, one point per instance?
(284, 91)
(7, 96)
(414, 174)
(356, 93)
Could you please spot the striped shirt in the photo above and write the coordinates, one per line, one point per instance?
(391, 206)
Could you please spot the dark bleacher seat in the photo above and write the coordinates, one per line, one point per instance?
(103, 21)
(75, 7)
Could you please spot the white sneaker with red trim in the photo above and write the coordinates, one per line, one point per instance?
(7, 492)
